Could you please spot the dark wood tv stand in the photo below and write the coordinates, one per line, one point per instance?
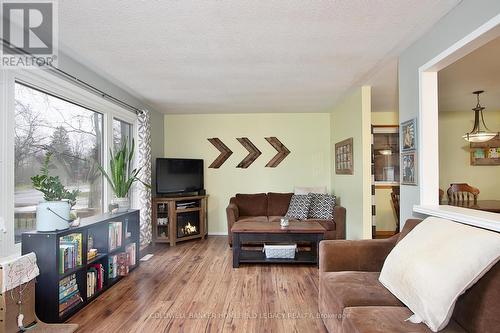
(174, 223)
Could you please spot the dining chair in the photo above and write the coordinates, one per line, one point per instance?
(395, 204)
(461, 192)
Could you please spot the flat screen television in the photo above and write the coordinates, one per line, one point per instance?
(178, 175)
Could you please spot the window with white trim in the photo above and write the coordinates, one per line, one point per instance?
(72, 135)
(40, 113)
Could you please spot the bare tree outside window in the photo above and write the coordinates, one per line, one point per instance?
(73, 134)
(122, 132)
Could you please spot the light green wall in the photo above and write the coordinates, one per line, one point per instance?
(454, 157)
(385, 118)
(352, 118)
(307, 136)
(385, 218)
(466, 17)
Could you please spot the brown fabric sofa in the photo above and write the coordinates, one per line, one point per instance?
(271, 207)
(352, 300)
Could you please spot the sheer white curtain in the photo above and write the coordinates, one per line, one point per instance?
(144, 162)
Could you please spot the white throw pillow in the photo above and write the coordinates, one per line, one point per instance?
(307, 190)
(436, 263)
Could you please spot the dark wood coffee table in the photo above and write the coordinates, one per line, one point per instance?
(272, 232)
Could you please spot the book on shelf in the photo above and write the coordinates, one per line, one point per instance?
(66, 283)
(115, 235)
(69, 294)
(131, 249)
(119, 264)
(95, 279)
(113, 266)
(70, 252)
(123, 263)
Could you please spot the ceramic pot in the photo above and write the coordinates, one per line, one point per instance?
(123, 204)
(52, 215)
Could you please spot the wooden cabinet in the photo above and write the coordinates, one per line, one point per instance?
(386, 155)
(177, 219)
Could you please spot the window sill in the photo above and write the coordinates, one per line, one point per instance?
(481, 219)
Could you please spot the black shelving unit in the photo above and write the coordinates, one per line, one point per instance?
(46, 246)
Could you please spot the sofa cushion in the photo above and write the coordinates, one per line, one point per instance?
(253, 219)
(478, 309)
(299, 206)
(321, 206)
(277, 203)
(329, 225)
(435, 263)
(339, 290)
(383, 319)
(252, 204)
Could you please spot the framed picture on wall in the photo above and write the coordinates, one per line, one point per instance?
(409, 135)
(344, 163)
(409, 168)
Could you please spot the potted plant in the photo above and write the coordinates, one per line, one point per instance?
(54, 212)
(121, 177)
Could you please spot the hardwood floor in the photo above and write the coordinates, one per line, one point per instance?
(192, 287)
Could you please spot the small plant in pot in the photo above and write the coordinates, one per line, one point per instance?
(54, 212)
(120, 176)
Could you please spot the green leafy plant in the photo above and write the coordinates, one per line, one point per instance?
(121, 177)
(51, 186)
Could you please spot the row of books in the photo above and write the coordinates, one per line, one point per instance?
(95, 279)
(69, 294)
(115, 235)
(119, 264)
(70, 252)
(131, 250)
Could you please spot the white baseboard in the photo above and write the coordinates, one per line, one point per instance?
(217, 233)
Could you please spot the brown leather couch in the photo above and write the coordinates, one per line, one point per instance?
(271, 207)
(352, 300)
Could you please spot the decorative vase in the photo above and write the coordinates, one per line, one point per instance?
(123, 204)
(52, 215)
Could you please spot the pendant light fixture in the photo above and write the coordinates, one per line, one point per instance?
(480, 133)
(387, 149)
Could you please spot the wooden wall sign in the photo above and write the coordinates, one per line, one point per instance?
(485, 153)
(344, 161)
(282, 152)
(253, 153)
(225, 152)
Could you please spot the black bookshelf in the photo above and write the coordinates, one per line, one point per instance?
(46, 245)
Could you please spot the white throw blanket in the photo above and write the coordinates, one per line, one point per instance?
(436, 263)
(16, 271)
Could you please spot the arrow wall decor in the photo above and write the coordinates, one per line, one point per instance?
(254, 153)
(282, 152)
(224, 153)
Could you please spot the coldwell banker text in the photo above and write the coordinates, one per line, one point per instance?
(29, 34)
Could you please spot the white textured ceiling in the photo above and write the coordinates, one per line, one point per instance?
(217, 56)
(479, 70)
